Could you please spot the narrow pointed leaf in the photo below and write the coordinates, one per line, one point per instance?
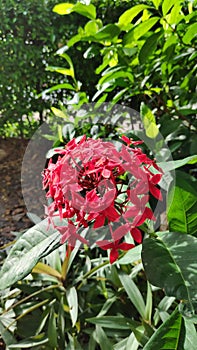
(72, 298)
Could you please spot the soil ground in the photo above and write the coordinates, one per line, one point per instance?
(12, 207)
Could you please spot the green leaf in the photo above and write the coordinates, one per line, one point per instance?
(59, 113)
(156, 3)
(138, 31)
(149, 121)
(46, 269)
(65, 8)
(133, 293)
(33, 245)
(149, 47)
(52, 330)
(72, 299)
(174, 164)
(170, 262)
(61, 70)
(30, 342)
(131, 256)
(190, 33)
(174, 334)
(182, 213)
(130, 14)
(114, 322)
(102, 339)
(5, 333)
(167, 4)
(57, 87)
(108, 32)
(88, 11)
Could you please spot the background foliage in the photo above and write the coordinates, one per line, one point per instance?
(140, 54)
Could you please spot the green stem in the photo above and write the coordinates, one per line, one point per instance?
(65, 263)
(91, 272)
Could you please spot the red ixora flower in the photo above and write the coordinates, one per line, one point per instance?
(93, 184)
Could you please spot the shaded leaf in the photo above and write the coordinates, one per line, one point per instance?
(149, 47)
(102, 339)
(170, 262)
(133, 293)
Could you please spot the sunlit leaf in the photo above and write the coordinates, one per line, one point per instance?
(149, 121)
(72, 298)
(130, 14)
(33, 245)
(174, 334)
(139, 30)
(182, 213)
(190, 33)
(66, 8)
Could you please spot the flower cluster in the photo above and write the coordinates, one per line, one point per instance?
(94, 184)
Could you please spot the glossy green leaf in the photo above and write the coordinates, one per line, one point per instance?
(102, 339)
(190, 33)
(61, 70)
(33, 245)
(6, 335)
(72, 299)
(108, 32)
(167, 4)
(149, 121)
(134, 293)
(65, 8)
(30, 342)
(175, 164)
(156, 3)
(131, 256)
(59, 113)
(114, 322)
(170, 262)
(182, 212)
(149, 47)
(174, 334)
(139, 30)
(130, 14)
(52, 330)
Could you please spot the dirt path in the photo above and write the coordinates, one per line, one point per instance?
(12, 208)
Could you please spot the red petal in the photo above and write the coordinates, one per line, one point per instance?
(100, 220)
(136, 234)
(126, 139)
(113, 256)
(126, 246)
(155, 192)
(104, 244)
(156, 178)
